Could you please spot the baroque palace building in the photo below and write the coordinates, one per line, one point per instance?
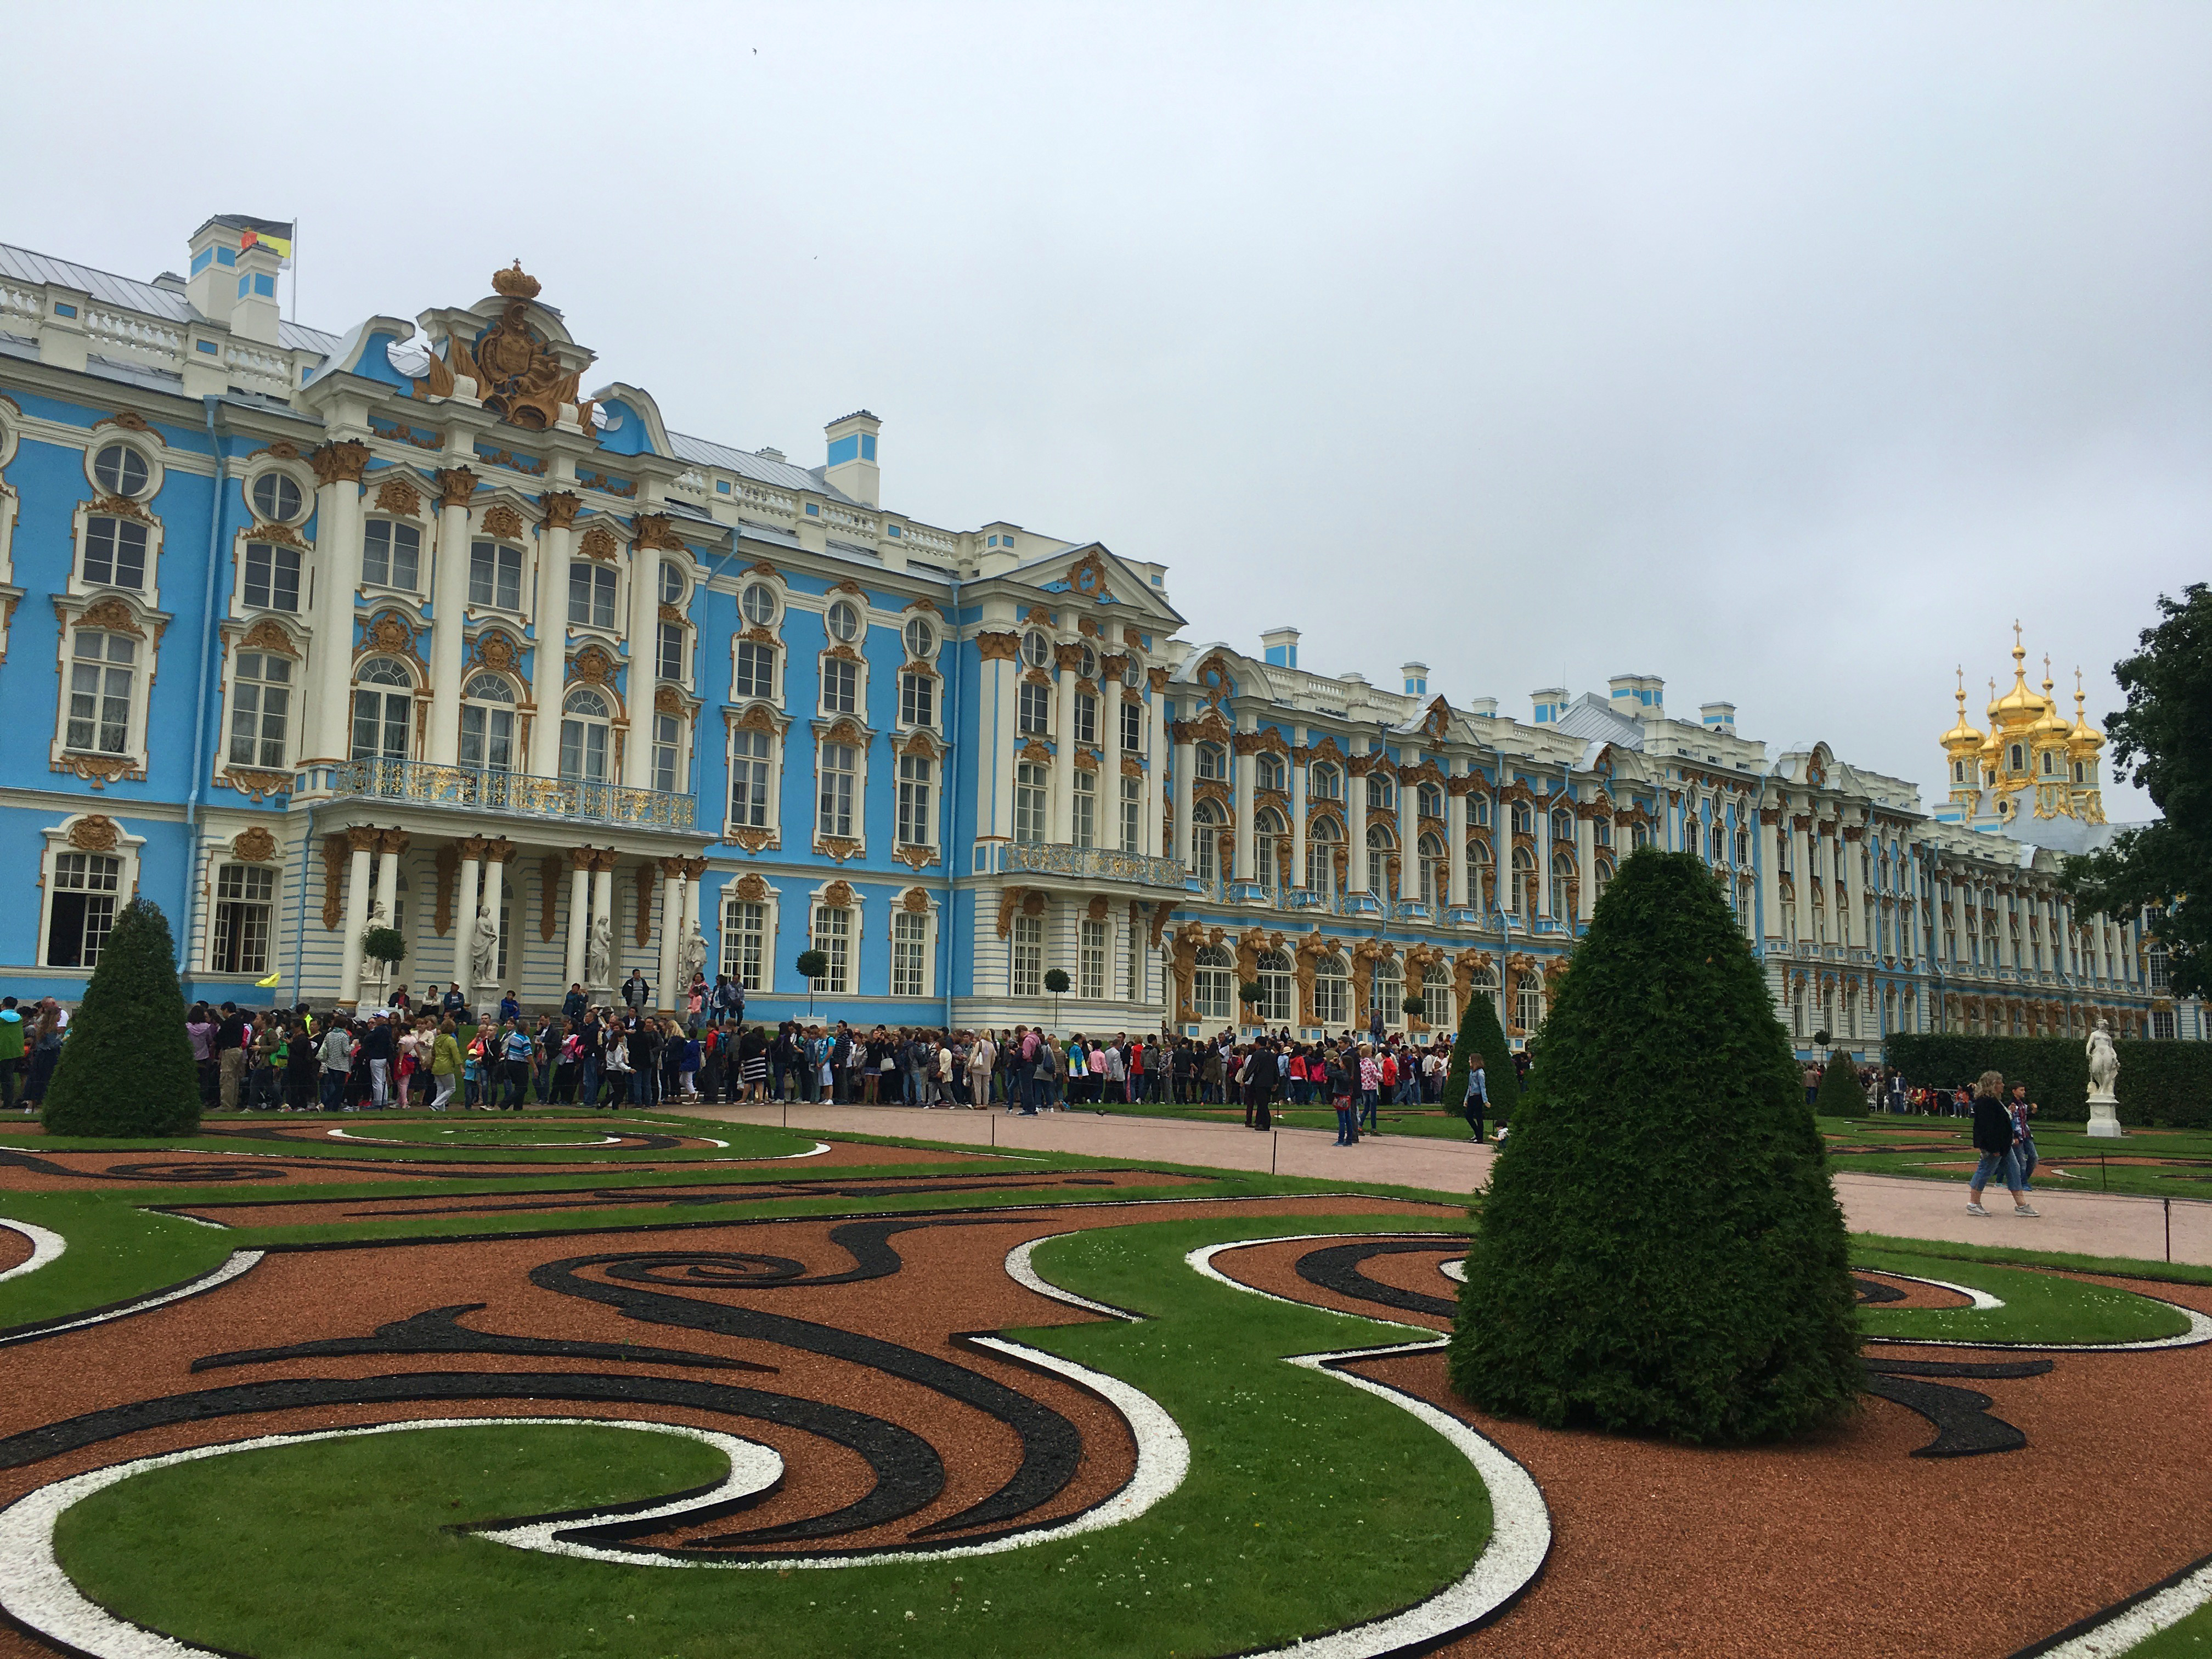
(305, 636)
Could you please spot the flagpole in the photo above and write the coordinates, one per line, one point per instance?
(295, 270)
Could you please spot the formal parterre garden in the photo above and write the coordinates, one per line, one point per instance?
(645, 1385)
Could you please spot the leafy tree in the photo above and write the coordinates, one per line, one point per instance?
(2163, 741)
(1840, 1095)
(1480, 1033)
(126, 1069)
(1056, 981)
(1662, 1250)
(811, 965)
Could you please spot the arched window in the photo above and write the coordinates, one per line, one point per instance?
(1478, 811)
(584, 729)
(1273, 1008)
(1324, 841)
(383, 709)
(1563, 867)
(1437, 1006)
(1521, 898)
(1269, 833)
(1325, 782)
(1213, 760)
(1267, 770)
(1435, 870)
(1381, 796)
(1205, 836)
(1478, 867)
(260, 710)
(487, 724)
(1431, 801)
(1030, 803)
(1332, 991)
(1524, 818)
(1387, 992)
(1485, 984)
(1379, 845)
(1213, 983)
(1528, 999)
(103, 683)
(1602, 873)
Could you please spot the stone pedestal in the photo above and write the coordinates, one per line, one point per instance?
(2105, 1117)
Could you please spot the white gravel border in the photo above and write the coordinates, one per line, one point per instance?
(2199, 1331)
(240, 1261)
(2138, 1621)
(46, 1246)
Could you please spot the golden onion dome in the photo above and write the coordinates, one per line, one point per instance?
(2051, 730)
(1964, 738)
(2084, 740)
(2019, 707)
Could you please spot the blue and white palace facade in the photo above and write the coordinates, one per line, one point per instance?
(305, 635)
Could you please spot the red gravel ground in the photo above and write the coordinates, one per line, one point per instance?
(1845, 1539)
(14, 1249)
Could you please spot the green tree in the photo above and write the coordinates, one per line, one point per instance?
(1480, 1033)
(126, 1069)
(1840, 1095)
(813, 966)
(2162, 740)
(1661, 1250)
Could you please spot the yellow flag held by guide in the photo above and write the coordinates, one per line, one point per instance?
(270, 982)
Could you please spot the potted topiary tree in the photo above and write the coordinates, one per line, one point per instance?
(1412, 1005)
(1249, 993)
(811, 965)
(1056, 981)
(126, 1069)
(387, 948)
(1661, 1250)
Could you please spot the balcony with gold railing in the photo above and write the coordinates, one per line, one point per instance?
(1008, 858)
(580, 801)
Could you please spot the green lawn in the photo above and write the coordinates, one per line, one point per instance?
(2084, 1160)
(2039, 1307)
(1309, 1505)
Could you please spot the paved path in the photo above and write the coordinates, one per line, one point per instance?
(2093, 1223)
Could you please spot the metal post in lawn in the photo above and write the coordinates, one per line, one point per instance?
(2169, 1229)
(1274, 1146)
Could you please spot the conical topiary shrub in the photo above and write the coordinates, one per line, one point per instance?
(126, 1069)
(1661, 1250)
(1840, 1095)
(1480, 1033)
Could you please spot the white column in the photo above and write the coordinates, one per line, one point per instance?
(1298, 806)
(1455, 845)
(1002, 740)
(555, 547)
(1769, 890)
(579, 916)
(493, 894)
(1156, 766)
(338, 570)
(1543, 817)
(389, 846)
(1853, 928)
(1186, 763)
(464, 934)
(1110, 752)
(1355, 826)
(644, 679)
(1409, 826)
(1585, 868)
(671, 906)
(449, 600)
(1246, 860)
(1801, 871)
(360, 842)
(1063, 744)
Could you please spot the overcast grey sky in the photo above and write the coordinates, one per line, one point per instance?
(1787, 351)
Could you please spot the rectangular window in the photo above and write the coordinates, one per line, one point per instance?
(1531, 1001)
(243, 893)
(1132, 813)
(1033, 710)
(915, 777)
(115, 553)
(909, 947)
(1029, 802)
(1333, 998)
(667, 753)
(1087, 717)
(840, 684)
(391, 554)
(85, 886)
(833, 814)
(495, 576)
(1133, 728)
(260, 703)
(917, 700)
(755, 674)
(1091, 962)
(744, 942)
(272, 577)
(590, 594)
(749, 763)
(101, 677)
(1132, 967)
(1028, 957)
(1084, 829)
(833, 937)
(672, 651)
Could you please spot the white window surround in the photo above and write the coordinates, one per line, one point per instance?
(934, 818)
(929, 915)
(58, 839)
(774, 648)
(112, 613)
(858, 661)
(422, 555)
(147, 447)
(302, 478)
(856, 907)
(927, 670)
(845, 729)
(239, 543)
(233, 642)
(10, 505)
(219, 854)
(771, 924)
(763, 721)
(150, 594)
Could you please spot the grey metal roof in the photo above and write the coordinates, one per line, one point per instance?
(704, 451)
(26, 266)
(1589, 716)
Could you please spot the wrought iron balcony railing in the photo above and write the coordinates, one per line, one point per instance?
(481, 789)
(995, 857)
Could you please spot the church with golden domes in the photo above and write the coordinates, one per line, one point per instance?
(2032, 767)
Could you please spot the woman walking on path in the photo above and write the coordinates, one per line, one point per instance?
(1993, 1140)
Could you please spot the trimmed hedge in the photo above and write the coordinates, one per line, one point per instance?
(1840, 1095)
(126, 1067)
(1662, 1250)
(1479, 1031)
(2162, 1085)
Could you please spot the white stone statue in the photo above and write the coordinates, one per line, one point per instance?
(483, 949)
(690, 953)
(2103, 1073)
(599, 953)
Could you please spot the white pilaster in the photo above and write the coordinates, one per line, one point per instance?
(1246, 860)
(1409, 826)
(338, 570)
(1063, 744)
(360, 842)
(1297, 807)
(449, 600)
(1355, 827)
(644, 677)
(556, 545)
(1455, 845)
(579, 916)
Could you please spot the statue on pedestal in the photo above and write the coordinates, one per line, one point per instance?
(691, 955)
(483, 949)
(599, 954)
(2103, 1073)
